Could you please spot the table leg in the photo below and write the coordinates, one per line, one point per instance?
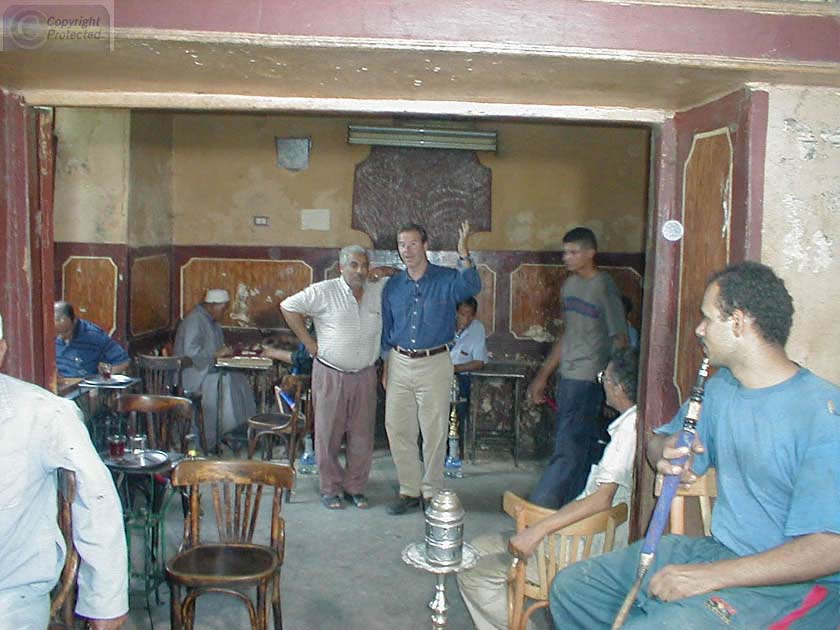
(516, 413)
(220, 410)
(438, 604)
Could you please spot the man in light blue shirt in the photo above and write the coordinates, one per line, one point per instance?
(40, 433)
(469, 354)
(418, 324)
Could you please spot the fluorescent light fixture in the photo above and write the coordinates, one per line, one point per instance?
(422, 138)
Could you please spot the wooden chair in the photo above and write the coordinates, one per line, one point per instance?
(235, 561)
(167, 420)
(556, 551)
(162, 376)
(288, 424)
(704, 488)
(63, 598)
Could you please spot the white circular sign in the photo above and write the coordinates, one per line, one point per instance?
(672, 230)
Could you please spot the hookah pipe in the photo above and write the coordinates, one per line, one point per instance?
(669, 490)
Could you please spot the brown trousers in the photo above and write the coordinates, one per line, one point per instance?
(345, 404)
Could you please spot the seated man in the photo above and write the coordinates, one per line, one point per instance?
(200, 337)
(469, 354)
(39, 433)
(769, 427)
(80, 345)
(610, 481)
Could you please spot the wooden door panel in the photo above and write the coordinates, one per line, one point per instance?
(706, 204)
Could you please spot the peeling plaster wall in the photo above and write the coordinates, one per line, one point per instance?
(150, 180)
(547, 178)
(801, 229)
(91, 179)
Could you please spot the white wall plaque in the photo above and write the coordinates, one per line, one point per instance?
(315, 219)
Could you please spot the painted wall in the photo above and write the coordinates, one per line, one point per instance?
(546, 179)
(91, 179)
(801, 230)
(150, 180)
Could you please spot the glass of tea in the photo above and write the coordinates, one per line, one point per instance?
(116, 445)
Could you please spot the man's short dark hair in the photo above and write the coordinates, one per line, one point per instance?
(625, 371)
(582, 236)
(413, 227)
(64, 309)
(756, 290)
(471, 302)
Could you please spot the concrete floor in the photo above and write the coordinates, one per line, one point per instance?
(343, 569)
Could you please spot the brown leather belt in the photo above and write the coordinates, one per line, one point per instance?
(416, 354)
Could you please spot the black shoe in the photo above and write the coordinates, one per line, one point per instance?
(403, 504)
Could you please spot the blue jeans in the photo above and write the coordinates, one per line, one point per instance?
(576, 443)
(589, 594)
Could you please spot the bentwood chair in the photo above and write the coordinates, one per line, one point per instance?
(162, 376)
(288, 424)
(704, 488)
(166, 420)
(556, 551)
(233, 563)
(63, 598)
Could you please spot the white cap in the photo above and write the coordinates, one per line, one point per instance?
(216, 296)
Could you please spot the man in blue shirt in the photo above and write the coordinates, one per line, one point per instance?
(770, 428)
(80, 345)
(418, 324)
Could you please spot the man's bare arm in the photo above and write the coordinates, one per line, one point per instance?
(469, 366)
(800, 560)
(536, 390)
(298, 325)
(525, 543)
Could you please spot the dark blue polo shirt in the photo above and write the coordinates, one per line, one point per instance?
(89, 346)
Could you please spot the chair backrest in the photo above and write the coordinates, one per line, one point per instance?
(162, 375)
(289, 387)
(564, 546)
(63, 595)
(167, 420)
(236, 492)
(704, 488)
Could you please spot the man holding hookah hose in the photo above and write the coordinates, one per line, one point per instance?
(772, 430)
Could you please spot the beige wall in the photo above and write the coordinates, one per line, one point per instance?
(199, 179)
(801, 230)
(91, 178)
(150, 180)
(546, 179)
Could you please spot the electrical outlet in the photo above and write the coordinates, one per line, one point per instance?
(261, 221)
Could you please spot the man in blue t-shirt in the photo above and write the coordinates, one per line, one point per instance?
(80, 345)
(770, 428)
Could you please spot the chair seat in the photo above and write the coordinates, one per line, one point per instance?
(269, 422)
(222, 563)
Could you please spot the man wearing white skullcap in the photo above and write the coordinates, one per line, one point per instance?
(200, 338)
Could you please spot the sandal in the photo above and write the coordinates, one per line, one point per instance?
(359, 500)
(331, 502)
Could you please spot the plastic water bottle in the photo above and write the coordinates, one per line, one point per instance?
(307, 464)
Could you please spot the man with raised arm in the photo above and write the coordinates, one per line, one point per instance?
(418, 326)
(770, 428)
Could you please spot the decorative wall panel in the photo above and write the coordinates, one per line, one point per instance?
(150, 294)
(435, 188)
(256, 287)
(89, 283)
